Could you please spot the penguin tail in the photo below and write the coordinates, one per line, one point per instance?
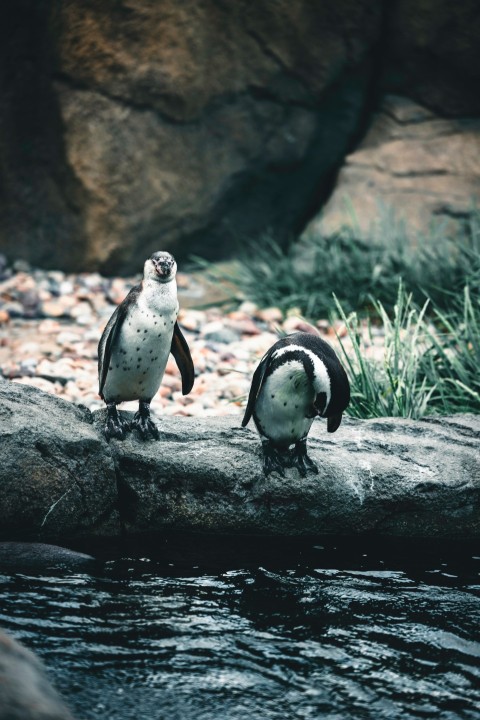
(333, 422)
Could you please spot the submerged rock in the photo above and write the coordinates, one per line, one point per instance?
(385, 477)
(28, 557)
(25, 691)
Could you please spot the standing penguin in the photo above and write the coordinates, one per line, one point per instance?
(298, 379)
(135, 345)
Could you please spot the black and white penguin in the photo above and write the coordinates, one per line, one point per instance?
(298, 379)
(135, 345)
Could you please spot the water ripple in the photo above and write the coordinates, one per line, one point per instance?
(330, 635)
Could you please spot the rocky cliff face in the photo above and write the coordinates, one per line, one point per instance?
(129, 126)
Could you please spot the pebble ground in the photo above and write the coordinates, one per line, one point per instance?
(51, 322)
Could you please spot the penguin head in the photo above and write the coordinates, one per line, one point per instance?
(161, 266)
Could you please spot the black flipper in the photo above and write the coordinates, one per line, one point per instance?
(181, 353)
(255, 387)
(109, 335)
(333, 422)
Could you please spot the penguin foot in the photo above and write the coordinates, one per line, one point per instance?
(144, 423)
(301, 461)
(273, 461)
(115, 426)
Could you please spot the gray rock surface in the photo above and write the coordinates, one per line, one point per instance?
(56, 474)
(25, 691)
(389, 477)
(59, 479)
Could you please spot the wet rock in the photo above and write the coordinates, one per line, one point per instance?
(25, 691)
(388, 477)
(56, 475)
(36, 557)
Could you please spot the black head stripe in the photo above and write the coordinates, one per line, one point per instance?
(293, 355)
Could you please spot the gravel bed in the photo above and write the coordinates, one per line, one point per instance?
(51, 322)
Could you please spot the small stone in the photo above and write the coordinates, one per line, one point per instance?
(270, 315)
(67, 338)
(323, 326)
(66, 287)
(220, 333)
(191, 319)
(247, 307)
(296, 324)
(48, 327)
(53, 308)
(4, 317)
(27, 366)
(246, 327)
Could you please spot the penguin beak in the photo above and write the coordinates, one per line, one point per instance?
(162, 268)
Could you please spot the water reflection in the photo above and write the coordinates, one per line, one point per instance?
(204, 629)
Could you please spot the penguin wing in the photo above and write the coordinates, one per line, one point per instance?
(333, 422)
(255, 387)
(110, 334)
(181, 353)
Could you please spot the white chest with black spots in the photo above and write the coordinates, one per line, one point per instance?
(142, 346)
(285, 399)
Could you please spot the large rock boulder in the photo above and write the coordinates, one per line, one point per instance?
(413, 167)
(138, 125)
(25, 691)
(57, 477)
(385, 477)
(131, 126)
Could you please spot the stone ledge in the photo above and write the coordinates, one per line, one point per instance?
(59, 479)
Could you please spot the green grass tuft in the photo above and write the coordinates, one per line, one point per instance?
(429, 365)
(424, 291)
(305, 275)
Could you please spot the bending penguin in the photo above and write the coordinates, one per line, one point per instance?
(135, 345)
(298, 379)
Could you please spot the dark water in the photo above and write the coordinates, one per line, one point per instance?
(200, 629)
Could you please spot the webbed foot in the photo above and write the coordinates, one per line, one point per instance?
(300, 459)
(144, 423)
(115, 426)
(273, 460)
